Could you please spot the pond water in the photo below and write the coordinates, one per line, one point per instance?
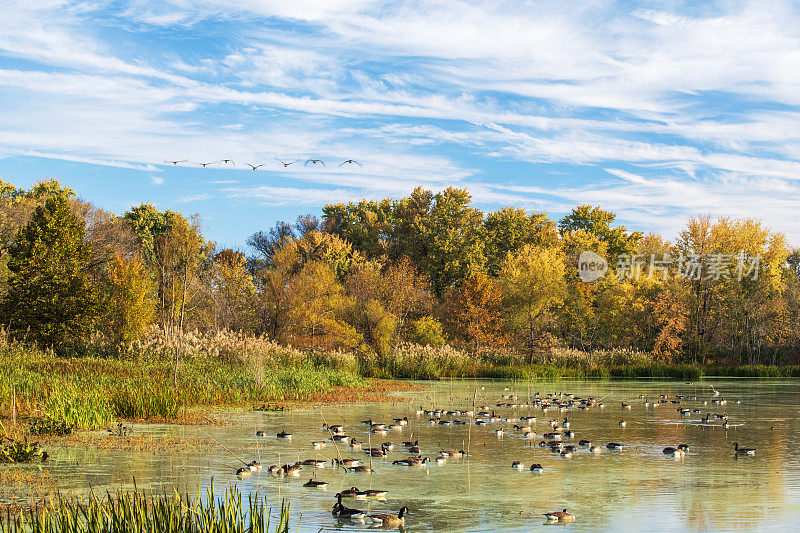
(636, 488)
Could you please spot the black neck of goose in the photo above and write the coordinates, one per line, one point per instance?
(401, 513)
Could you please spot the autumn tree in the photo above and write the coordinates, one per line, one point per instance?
(532, 281)
(597, 222)
(128, 299)
(473, 312)
(49, 298)
(509, 229)
(232, 291)
(442, 234)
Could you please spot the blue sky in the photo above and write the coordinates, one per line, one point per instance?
(656, 110)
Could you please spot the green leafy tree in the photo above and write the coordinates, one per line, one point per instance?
(442, 234)
(428, 331)
(49, 298)
(597, 222)
(510, 229)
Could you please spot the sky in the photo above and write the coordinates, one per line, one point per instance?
(656, 110)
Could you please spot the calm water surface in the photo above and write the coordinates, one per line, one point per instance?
(634, 489)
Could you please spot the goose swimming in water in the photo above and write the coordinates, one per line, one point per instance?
(743, 451)
(292, 470)
(340, 511)
(315, 484)
(518, 465)
(560, 516)
(275, 470)
(387, 519)
(613, 445)
(536, 468)
(284, 435)
(674, 452)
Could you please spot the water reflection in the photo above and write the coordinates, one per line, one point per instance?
(635, 488)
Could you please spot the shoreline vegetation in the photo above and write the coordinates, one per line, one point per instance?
(54, 395)
(138, 317)
(138, 510)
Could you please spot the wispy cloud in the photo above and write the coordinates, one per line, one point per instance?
(658, 110)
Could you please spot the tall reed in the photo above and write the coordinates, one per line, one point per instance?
(136, 511)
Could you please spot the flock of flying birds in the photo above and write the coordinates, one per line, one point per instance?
(232, 163)
(557, 438)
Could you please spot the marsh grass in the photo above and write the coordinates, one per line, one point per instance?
(90, 392)
(137, 511)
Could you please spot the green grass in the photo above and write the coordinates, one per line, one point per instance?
(90, 392)
(136, 511)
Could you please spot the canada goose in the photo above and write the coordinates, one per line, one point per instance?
(529, 435)
(402, 421)
(411, 461)
(409, 444)
(595, 449)
(395, 427)
(340, 511)
(536, 468)
(613, 445)
(336, 428)
(566, 454)
(316, 463)
(743, 451)
(355, 444)
(674, 452)
(345, 462)
(518, 465)
(388, 445)
(414, 449)
(441, 459)
(626, 405)
(453, 453)
(292, 470)
(284, 435)
(360, 468)
(244, 472)
(318, 444)
(353, 492)
(275, 470)
(339, 437)
(584, 443)
(560, 516)
(315, 484)
(569, 434)
(387, 519)
(254, 466)
(622, 423)
(260, 433)
(684, 447)
(376, 493)
(565, 423)
(498, 432)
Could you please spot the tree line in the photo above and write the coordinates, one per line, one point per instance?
(430, 269)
